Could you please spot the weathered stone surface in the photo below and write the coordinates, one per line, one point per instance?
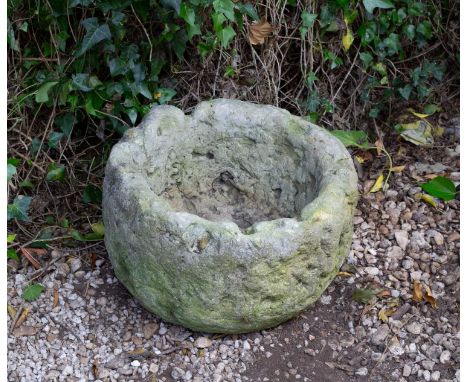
(233, 219)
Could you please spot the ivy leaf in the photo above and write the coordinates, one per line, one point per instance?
(174, 4)
(227, 34)
(55, 173)
(32, 292)
(11, 40)
(92, 194)
(65, 123)
(226, 7)
(11, 170)
(11, 238)
(19, 208)
(405, 91)
(370, 5)
(42, 94)
(353, 138)
(94, 34)
(98, 228)
(54, 139)
(249, 10)
(440, 187)
(11, 254)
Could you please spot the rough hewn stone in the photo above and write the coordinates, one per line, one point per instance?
(233, 219)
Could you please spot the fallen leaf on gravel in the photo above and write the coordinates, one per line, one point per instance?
(259, 30)
(378, 184)
(427, 198)
(347, 39)
(384, 314)
(363, 295)
(56, 298)
(28, 253)
(430, 298)
(11, 311)
(344, 274)
(398, 168)
(384, 293)
(25, 330)
(23, 316)
(418, 133)
(32, 292)
(417, 291)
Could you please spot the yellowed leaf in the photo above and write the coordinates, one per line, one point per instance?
(137, 351)
(259, 30)
(11, 311)
(378, 184)
(348, 39)
(417, 291)
(398, 168)
(419, 115)
(23, 316)
(438, 131)
(430, 298)
(344, 274)
(384, 314)
(427, 198)
(431, 176)
(360, 159)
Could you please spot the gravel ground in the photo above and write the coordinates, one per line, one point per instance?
(85, 325)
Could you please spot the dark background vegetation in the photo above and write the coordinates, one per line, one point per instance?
(81, 72)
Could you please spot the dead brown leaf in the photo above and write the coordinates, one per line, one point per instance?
(384, 293)
(29, 254)
(23, 316)
(384, 314)
(430, 298)
(56, 298)
(398, 168)
(259, 30)
(379, 146)
(417, 291)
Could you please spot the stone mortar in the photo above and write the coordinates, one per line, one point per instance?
(230, 220)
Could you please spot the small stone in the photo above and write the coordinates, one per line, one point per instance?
(75, 264)
(396, 253)
(177, 373)
(381, 334)
(435, 376)
(395, 347)
(445, 356)
(362, 371)
(101, 301)
(401, 238)
(68, 370)
(373, 271)
(427, 375)
(103, 373)
(127, 336)
(427, 364)
(434, 352)
(135, 363)
(246, 345)
(437, 236)
(150, 329)
(325, 299)
(202, 342)
(454, 236)
(268, 354)
(153, 368)
(407, 263)
(414, 328)
(406, 371)
(412, 347)
(25, 330)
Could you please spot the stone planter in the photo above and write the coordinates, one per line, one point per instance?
(230, 220)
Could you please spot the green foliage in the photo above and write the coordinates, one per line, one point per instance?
(353, 138)
(19, 208)
(32, 292)
(440, 187)
(92, 194)
(387, 32)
